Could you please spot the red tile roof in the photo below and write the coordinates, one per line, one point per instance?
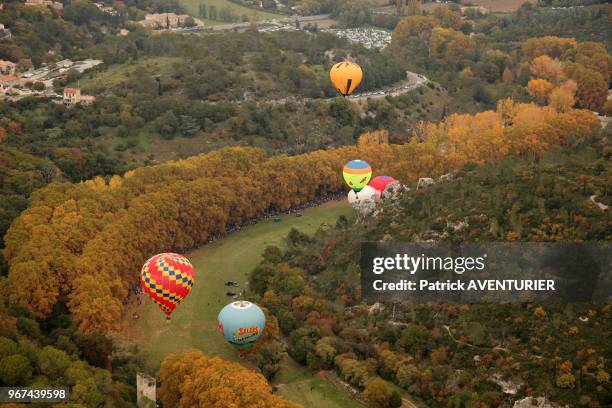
(7, 78)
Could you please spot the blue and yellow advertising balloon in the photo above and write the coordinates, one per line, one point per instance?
(356, 174)
(241, 323)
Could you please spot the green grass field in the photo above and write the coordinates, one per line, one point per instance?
(193, 7)
(111, 75)
(193, 323)
(299, 384)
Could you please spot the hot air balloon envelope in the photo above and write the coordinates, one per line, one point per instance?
(364, 200)
(346, 77)
(356, 174)
(242, 323)
(380, 183)
(167, 278)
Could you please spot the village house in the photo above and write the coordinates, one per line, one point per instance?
(72, 96)
(50, 3)
(7, 67)
(7, 82)
(64, 63)
(167, 20)
(470, 10)
(106, 9)
(4, 32)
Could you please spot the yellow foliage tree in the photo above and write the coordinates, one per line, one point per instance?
(450, 44)
(374, 138)
(507, 76)
(548, 45)
(539, 89)
(193, 380)
(566, 380)
(413, 28)
(448, 18)
(377, 394)
(562, 97)
(547, 68)
(466, 73)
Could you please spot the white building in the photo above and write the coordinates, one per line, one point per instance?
(72, 96)
(145, 391)
(167, 21)
(5, 32)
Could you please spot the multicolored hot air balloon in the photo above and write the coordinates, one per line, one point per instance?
(346, 77)
(356, 174)
(167, 278)
(241, 323)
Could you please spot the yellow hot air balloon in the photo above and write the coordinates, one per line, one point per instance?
(346, 77)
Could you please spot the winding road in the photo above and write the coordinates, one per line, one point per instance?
(412, 82)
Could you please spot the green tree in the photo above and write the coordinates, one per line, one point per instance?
(414, 338)
(167, 125)
(15, 370)
(189, 22)
(29, 327)
(7, 347)
(395, 401)
(53, 362)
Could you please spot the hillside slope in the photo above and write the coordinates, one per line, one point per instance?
(449, 354)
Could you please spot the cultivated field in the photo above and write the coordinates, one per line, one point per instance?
(496, 6)
(500, 5)
(193, 6)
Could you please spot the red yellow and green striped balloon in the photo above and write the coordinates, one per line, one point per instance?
(167, 278)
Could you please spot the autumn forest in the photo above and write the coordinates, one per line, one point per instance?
(191, 136)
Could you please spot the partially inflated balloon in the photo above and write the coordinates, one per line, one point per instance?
(380, 184)
(356, 174)
(167, 279)
(364, 200)
(242, 323)
(346, 77)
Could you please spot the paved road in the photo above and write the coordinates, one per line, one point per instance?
(413, 81)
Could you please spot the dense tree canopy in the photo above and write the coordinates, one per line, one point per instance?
(453, 354)
(191, 379)
(82, 244)
(494, 57)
